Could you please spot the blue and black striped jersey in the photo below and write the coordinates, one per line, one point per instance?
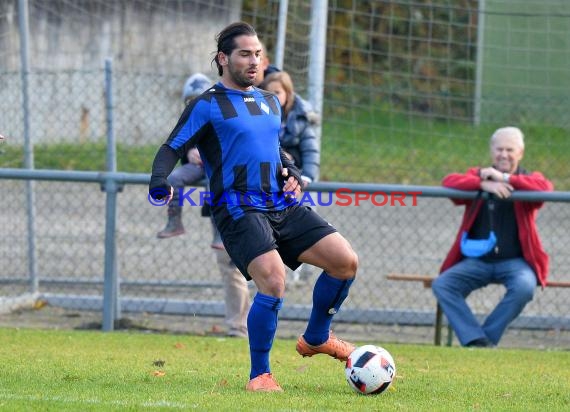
(237, 134)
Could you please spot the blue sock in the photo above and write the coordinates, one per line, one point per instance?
(328, 295)
(261, 326)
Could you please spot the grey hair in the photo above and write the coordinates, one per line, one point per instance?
(509, 131)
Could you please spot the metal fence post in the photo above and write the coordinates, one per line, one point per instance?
(479, 63)
(111, 281)
(23, 23)
(109, 107)
(281, 33)
(317, 58)
(111, 288)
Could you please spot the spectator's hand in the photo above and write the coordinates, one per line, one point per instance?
(490, 173)
(292, 185)
(500, 189)
(194, 157)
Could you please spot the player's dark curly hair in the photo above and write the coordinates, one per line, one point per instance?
(226, 39)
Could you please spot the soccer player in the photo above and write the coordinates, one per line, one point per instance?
(236, 129)
(191, 171)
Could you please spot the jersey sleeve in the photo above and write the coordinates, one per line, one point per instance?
(189, 129)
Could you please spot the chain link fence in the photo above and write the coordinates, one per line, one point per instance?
(400, 105)
(178, 276)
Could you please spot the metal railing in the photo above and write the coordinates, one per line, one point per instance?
(113, 183)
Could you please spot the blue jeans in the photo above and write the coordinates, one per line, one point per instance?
(185, 175)
(453, 286)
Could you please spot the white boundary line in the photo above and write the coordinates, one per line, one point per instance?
(16, 397)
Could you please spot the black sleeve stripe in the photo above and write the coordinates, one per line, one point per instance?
(181, 121)
(164, 161)
(194, 141)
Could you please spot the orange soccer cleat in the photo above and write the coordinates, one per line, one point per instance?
(263, 383)
(334, 347)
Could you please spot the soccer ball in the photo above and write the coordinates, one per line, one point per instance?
(370, 369)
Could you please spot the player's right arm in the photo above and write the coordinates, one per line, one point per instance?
(164, 161)
(184, 136)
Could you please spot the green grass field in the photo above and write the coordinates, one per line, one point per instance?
(357, 146)
(96, 371)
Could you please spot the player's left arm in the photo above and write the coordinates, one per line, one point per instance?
(291, 174)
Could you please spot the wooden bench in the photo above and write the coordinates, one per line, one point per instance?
(427, 280)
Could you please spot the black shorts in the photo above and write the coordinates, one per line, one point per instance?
(290, 232)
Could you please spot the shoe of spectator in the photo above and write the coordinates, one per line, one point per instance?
(174, 226)
(480, 343)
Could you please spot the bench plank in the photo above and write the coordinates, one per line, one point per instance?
(427, 280)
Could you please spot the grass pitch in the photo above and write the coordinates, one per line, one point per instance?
(96, 371)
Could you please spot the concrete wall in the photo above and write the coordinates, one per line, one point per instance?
(171, 35)
(154, 46)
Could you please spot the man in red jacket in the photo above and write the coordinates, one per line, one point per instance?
(508, 249)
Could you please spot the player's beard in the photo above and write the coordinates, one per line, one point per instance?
(240, 78)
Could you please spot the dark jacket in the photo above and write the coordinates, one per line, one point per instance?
(298, 137)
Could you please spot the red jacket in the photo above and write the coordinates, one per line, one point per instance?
(525, 213)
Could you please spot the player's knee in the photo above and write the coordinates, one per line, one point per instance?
(354, 263)
(349, 265)
(270, 282)
(274, 286)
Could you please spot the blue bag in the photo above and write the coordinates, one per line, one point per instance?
(477, 247)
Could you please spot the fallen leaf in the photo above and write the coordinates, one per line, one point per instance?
(302, 368)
